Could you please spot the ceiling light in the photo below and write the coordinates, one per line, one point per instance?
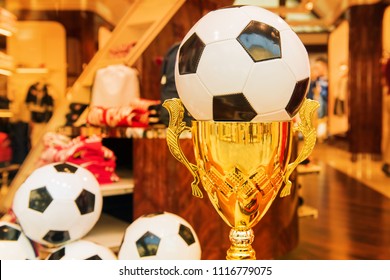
(309, 6)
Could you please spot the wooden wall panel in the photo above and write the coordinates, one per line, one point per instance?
(365, 99)
(149, 64)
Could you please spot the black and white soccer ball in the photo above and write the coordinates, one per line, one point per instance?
(160, 236)
(14, 245)
(82, 250)
(58, 203)
(242, 63)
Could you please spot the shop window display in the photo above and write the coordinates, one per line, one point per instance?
(116, 99)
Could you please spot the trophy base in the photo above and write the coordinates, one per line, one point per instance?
(241, 248)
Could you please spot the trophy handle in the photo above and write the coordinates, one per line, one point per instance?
(175, 129)
(308, 130)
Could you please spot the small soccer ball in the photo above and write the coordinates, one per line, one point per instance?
(160, 236)
(14, 245)
(242, 63)
(58, 203)
(82, 250)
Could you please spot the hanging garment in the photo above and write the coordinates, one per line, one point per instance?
(40, 103)
(115, 86)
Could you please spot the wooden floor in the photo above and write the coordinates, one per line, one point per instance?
(353, 218)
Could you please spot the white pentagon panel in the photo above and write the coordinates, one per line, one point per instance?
(194, 96)
(221, 25)
(224, 67)
(279, 116)
(294, 54)
(265, 16)
(269, 86)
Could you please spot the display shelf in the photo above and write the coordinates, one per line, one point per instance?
(7, 28)
(123, 186)
(5, 113)
(156, 131)
(108, 231)
(7, 22)
(6, 62)
(32, 70)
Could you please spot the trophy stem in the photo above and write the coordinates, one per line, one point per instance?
(241, 248)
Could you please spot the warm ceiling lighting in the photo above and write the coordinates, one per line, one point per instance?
(5, 32)
(5, 72)
(32, 70)
(309, 6)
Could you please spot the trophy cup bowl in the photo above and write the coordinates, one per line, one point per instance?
(242, 166)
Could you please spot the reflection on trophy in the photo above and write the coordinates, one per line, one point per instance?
(243, 75)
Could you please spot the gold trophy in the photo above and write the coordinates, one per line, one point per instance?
(242, 166)
(243, 74)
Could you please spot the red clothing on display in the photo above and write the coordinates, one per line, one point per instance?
(5, 148)
(86, 152)
(136, 114)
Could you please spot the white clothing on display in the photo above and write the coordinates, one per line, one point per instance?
(115, 86)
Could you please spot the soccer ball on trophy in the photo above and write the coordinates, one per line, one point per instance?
(14, 245)
(160, 236)
(243, 74)
(82, 250)
(242, 63)
(58, 203)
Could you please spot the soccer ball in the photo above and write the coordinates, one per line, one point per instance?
(82, 250)
(58, 203)
(160, 236)
(242, 63)
(14, 245)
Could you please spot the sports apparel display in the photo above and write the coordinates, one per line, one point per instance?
(116, 99)
(87, 152)
(115, 86)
